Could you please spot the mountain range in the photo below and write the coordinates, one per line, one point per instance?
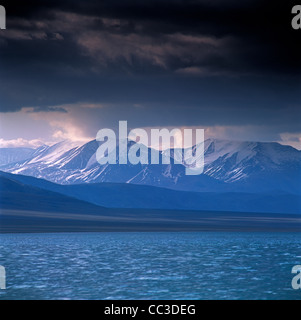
(238, 176)
(230, 166)
(121, 195)
(244, 186)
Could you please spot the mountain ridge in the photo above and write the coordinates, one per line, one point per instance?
(116, 195)
(230, 166)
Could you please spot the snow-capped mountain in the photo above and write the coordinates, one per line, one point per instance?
(233, 161)
(11, 155)
(229, 166)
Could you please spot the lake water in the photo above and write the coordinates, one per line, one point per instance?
(162, 265)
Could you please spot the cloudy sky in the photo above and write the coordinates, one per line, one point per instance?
(69, 68)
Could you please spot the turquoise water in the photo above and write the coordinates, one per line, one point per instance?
(163, 265)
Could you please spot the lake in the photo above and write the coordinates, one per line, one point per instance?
(150, 265)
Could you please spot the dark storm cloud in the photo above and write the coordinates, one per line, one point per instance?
(259, 34)
(227, 62)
